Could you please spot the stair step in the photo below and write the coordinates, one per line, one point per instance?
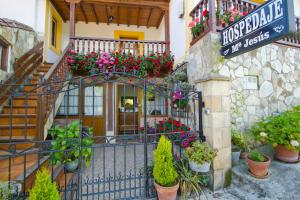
(6, 119)
(18, 130)
(24, 102)
(14, 138)
(19, 110)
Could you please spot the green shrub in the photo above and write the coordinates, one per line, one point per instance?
(240, 140)
(5, 191)
(65, 144)
(164, 171)
(189, 181)
(256, 156)
(282, 129)
(43, 188)
(200, 152)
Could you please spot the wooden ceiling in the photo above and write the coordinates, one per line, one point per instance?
(147, 13)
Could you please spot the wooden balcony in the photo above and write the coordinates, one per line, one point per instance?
(212, 23)
(136, 47)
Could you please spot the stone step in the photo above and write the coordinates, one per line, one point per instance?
(283, 182)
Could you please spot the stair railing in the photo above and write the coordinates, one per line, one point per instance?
(49, 90)
(23, 66)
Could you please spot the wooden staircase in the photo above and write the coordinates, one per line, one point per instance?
(20, 117)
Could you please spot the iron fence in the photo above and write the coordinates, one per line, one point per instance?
(124, 133)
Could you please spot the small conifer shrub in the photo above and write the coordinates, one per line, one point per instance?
(164, 171)
(43, 188)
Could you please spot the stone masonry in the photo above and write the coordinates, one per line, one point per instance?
(274, 68)
(20, 37)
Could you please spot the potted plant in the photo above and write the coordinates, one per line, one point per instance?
(283, 132)
(67, 148)
(258, 164)
(164, 172)
(200, 156)
(43, 188)
(9, 190)
(240, 145)
(189, 181)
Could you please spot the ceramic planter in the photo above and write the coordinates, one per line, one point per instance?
(286, 155)
(204, 168)
(235, 156)
(259, 169)
(72, 166)
(166, 193)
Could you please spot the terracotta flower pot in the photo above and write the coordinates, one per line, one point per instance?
(286, 155)
(166, 193)
(259, 169)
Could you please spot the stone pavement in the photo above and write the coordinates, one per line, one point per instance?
(283, 183)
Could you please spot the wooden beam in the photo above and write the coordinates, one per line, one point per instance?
(128, 17)
(160, 19)
(83, 12)
(140, 3)
(107, 16)
(72, 19)
(149, 17)
(167, 31)
(118, 15)
(95, 13)
(58, 10)
(138, 17)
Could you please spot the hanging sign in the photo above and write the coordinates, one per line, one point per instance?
(267, 23)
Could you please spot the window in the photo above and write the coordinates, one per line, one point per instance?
(54, 32)
(93, 101)
(156, 104)
(4, 45)
(69, 105)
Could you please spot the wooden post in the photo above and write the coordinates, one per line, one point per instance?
(167, 31)
(72, 16)
(72, 19)
(212, 15)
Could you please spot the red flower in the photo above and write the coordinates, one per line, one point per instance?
(205, 13)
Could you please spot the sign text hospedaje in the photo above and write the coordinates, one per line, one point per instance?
(267, 23)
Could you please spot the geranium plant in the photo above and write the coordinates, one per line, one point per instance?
(179, 99)
(81, 63)
(282, 129)
(154, 65)
(177, 132)
(231, 15)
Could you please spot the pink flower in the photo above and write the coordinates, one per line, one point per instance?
(231, 19)
(192, 24)
(197, 20)
(70, 61)
(244, 13)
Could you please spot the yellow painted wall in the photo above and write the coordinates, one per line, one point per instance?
(129, 34)
(52, 53)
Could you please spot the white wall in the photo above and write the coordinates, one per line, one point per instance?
(297, 7)
(29, 12)
(177, 30)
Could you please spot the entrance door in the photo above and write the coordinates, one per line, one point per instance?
(94, 109)
(129, 107)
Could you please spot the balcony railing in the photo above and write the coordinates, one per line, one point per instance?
(207, 13)
(136, 47)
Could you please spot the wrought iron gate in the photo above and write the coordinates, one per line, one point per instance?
(121, 163)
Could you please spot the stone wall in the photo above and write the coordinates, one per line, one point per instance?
(275, 67)
(21, 39)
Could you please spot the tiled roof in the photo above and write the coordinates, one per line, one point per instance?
(14, 24)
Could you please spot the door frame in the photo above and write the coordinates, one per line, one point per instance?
(139, 101)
